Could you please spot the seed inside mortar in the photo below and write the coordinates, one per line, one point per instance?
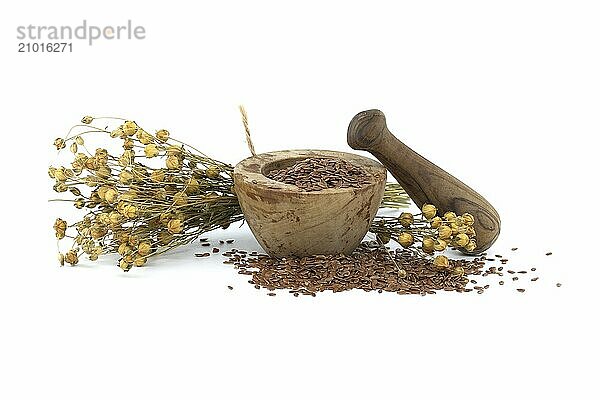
(314, 174)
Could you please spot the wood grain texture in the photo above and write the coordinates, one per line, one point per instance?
(424, 181)
(289, 221)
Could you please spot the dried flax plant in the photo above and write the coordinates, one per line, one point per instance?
(134, 206)
(434, 233)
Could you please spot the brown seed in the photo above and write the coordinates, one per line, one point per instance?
(520, 290)
(313, 174)
(501, 283)
(369, 268)
(558, 284)
(515, 278)
(515, 249)
(229, 287)
(203, 239)
(229, 241)
(534, 279)
(549, 253)
(533, 269)
(270, 294)
(215, 250)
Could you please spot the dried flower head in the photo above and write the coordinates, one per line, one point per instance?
(60, 227)
(129, 128)
(468, 219)
(449, 216)
(461, 240)
(59, 143)
(173, 162)
(444, 232)
(429, 211)
(406, 219)
(440, 245)
(162, 135)
(151, 150)
(212, 172)
(471, 246)
(71, 257)
(405, 239)
(428, 245)
(435, 222)
(441, 261)
(175, 226)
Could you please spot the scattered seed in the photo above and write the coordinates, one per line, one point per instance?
(205, 244)
(270, 294)
(215, 250)
(501, 283)
(229, 241)
(520, 290)
(229, 287)
(534, 279)
(558, 284)
(549, 253)
(203, 239)
(515, 278)
(515, 249)
(369, 268)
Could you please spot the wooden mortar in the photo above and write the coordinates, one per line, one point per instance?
(288, 221)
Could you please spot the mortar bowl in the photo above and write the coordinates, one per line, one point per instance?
(288, 221)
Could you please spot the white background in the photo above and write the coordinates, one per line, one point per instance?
(504, 95)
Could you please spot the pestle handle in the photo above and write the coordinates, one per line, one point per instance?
(424, 181)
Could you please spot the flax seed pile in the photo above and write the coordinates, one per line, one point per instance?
(369, 267)
(373, 268)
(313, 174)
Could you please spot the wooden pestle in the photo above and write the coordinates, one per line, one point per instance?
(424, 181)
